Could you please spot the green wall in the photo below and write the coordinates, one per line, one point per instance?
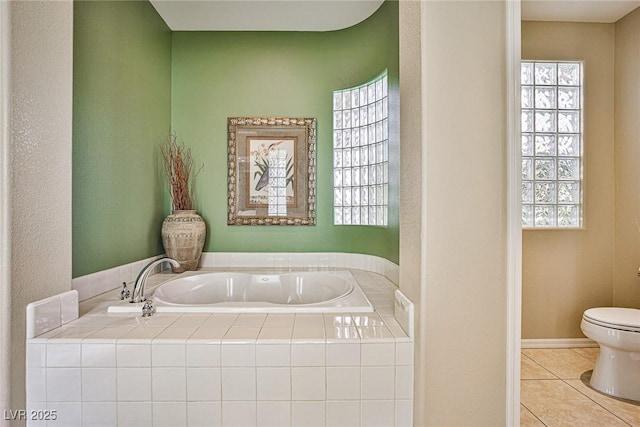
(121, 112)
(135, 81)
(216, 75)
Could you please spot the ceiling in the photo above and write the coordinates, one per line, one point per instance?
(264, 15)
(577, 10)
(328, 15)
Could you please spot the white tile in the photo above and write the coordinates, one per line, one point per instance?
(133, 355)
(404, 353)
(308, 355)
(343, 383)
(341, 334)
(190, 321)
(273, 383)
(204, 414)
(216, 321)
(98, 355)
(203, 355)
(404, 413)
(68, 414)
(36, 382)
(72, 333)
(169, 414)
(43, 316)
(379, 354)
(277, 320)
(207, 335)
(238, 384)
(365, 320)
(109, 333)
(169, 384)
(308, 414)
(142, 334)
(175, 335)
(168, 354)
(309, 335)
(273, 355)
(98, 384)
(378, 382)
(239, 414)
(274, 414)
(379, 413)
(238, 354)
(343, 413)
(308, 321)
(404, 382)
(99, 414)
(308, 383)
(133, 384)
(31, 406)
(36, 355)
(203, 384)
(275, 335)
(277, 259)
(63, 355)
(241, 334)
(208, 259)
(338, 319)
(134, 414)
(63, 384)
(68, 306)
(250, 320)
(340, 354)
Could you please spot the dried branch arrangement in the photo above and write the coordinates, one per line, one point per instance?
(178, 166)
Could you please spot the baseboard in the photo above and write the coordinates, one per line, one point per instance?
(558, 343)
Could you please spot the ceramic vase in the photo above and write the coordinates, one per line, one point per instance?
(183, 234)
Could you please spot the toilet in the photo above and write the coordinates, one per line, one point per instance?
(617, 331)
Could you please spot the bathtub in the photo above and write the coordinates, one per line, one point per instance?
(257, 292)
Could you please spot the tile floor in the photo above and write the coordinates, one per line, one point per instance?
(553, 395)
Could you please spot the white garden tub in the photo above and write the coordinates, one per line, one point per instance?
(257, 292)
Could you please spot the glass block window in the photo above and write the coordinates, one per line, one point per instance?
(361, 154)
(277, 203)
(551, 104)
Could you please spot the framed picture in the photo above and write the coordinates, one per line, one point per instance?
(271, 171)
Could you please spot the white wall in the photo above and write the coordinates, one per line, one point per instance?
(411, 176)
(459, 274)
(40, 163)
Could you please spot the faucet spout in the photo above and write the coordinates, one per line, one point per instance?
(138, 289)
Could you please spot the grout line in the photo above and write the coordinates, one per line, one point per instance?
(533, 413)
(540, 365)
(566, 381)
(573, 350)
(597, 403)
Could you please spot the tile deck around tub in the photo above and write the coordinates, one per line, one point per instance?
(227, 368)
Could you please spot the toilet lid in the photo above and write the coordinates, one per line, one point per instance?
(627, 319)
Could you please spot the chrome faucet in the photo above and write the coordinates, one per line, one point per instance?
(138, 289)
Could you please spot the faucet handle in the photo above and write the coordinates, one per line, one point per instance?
(125, 292)
(147, 308)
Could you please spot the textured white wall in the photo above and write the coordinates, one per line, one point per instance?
(40, 163)
(453, 222)
(5, 288)
(411, 213)
(463, 317)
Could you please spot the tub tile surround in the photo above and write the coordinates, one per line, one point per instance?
(97, 283)
(229, 369)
